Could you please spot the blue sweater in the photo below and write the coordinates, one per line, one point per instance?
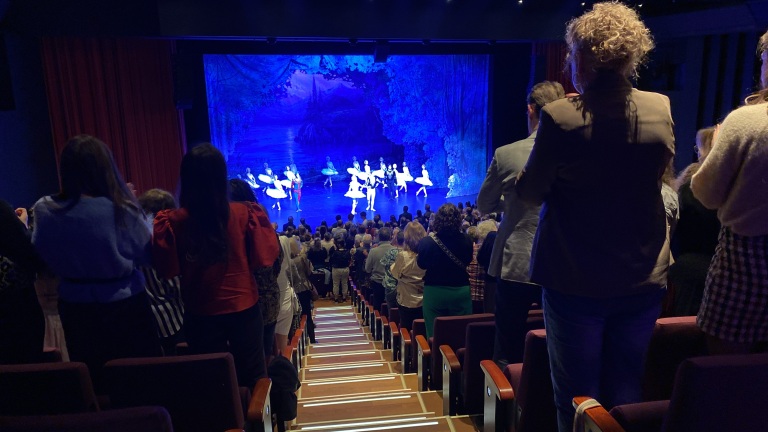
(95, 257)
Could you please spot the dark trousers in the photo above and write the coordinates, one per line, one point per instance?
(99, 332)
(513, 301)
(408, 315)
(378, 295)
(22, 327)
(305, 299)
(242, 331)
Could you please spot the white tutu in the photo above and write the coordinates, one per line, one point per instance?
(265, 179)
(277, 193)
(329, 171)
(355, 194)
(286, 183)
(290, 175)
(352, 171)
(407, 174)
(378, 173)
(424, 181)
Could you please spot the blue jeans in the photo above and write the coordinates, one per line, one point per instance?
(597, 347)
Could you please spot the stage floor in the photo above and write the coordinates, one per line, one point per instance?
(320, 203)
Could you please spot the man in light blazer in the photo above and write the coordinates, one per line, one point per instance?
(511, 254)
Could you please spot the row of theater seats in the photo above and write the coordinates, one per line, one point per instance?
(684, 390)
(193, 393)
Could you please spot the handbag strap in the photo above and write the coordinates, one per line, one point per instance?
(447, 252)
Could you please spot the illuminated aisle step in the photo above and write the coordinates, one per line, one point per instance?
(349, 384)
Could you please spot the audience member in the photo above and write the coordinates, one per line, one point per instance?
(340, 261)
(599, 251)
(732, 180)
(301, 272)
(445, 255)
(374, 268)
(94, 235)
(222, 244)
(410, 277)
(389, 282)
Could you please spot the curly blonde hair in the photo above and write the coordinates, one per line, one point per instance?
(611, 36)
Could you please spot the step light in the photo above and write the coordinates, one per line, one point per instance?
(348, 401)
(357, 380)
(366, 423)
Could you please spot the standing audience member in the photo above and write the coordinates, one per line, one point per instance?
(390, 282)
(599, 251)
(511, 255)
(445, 255)
(94, 236)
(340, 260)
(410, 277)
(215, 246)
(474, 269)
(375, 269)
(285, 315)
(164, 294)
(487, 230)
(695, 238)
(732, 180)
(22, 326)
(301, 271)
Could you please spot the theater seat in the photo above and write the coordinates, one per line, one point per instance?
(462, 377)
(710, 394)
(46, 389)
(144, 419)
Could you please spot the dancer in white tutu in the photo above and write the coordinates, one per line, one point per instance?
(277, 192)
(289, 175)
(329, 171)
(399, 180)
(355, 163)
(424, 181)
(354, 192)
(250, 178)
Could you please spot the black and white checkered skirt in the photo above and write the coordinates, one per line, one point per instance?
(735, 303)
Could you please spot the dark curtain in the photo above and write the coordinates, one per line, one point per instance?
(551, 55)
(121, 91)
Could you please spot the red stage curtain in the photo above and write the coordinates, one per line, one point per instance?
(121, 91)
(553, 56)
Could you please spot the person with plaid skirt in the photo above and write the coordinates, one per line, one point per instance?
(734, 310)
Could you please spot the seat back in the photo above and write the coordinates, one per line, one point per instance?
(394, 315)
(145, 419)
(534, 395)
(673, 340)
(199, 391)
(718, 393)
(46, 389)
(478, 347)
(451, 331)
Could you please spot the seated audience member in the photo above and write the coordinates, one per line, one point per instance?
(94, 235)
(222, 243)
(732, 180)
(22, 326)
(445, 255)
(164, 294)
(695, 239)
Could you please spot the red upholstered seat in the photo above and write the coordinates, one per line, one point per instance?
(144, 419)
(46, 389)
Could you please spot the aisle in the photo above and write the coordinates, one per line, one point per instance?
(349, 384)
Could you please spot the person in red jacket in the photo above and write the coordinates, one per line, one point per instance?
(215, 246)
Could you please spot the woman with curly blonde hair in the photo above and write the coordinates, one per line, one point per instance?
(597, 167)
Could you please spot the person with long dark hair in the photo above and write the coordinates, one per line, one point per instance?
(216, 245)
(94, 235)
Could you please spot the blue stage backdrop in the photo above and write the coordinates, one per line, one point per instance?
(286, 109)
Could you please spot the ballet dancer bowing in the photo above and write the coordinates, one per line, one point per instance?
(354, 192)
(250, 178)
(296, 184)
(370, 190)
(329, 171)
(276, 192)
(424, 181)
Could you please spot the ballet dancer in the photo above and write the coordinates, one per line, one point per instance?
(399, 180)
(407, 177)
(355, 163)
(370, 190)
(288, 173)
(329, 171)
(267, 177)
(424, 181)
(389, 181)
(354, 192)
(250, 178)
(296, 184)
(276, 192)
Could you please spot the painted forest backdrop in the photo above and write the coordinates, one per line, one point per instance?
(286, 109)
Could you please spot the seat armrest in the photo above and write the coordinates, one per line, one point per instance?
(496, 381)
(424, 347)
(405, 350)
(450, 358)
(595, 419)
(259, 406)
